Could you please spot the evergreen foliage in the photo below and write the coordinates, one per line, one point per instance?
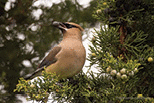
(123, 50)
(129, 35)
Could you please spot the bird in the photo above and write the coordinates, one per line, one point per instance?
(68, 57)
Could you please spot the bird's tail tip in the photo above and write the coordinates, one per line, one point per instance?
(28, 76)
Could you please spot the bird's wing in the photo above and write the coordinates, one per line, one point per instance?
(50, 58)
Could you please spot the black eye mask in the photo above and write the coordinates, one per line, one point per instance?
(69, 25)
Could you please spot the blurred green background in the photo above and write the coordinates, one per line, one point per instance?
(25, 38)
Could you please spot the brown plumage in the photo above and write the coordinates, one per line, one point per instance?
(68, 57)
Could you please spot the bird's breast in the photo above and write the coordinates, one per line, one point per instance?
(74, 54)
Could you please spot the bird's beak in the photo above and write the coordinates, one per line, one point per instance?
(60, 25)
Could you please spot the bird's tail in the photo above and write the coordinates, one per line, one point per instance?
(38, 72)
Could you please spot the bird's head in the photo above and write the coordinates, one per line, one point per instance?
(69, 29)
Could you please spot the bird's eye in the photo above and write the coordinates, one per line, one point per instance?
(69, 25)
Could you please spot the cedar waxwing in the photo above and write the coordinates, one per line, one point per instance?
(68, 57)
